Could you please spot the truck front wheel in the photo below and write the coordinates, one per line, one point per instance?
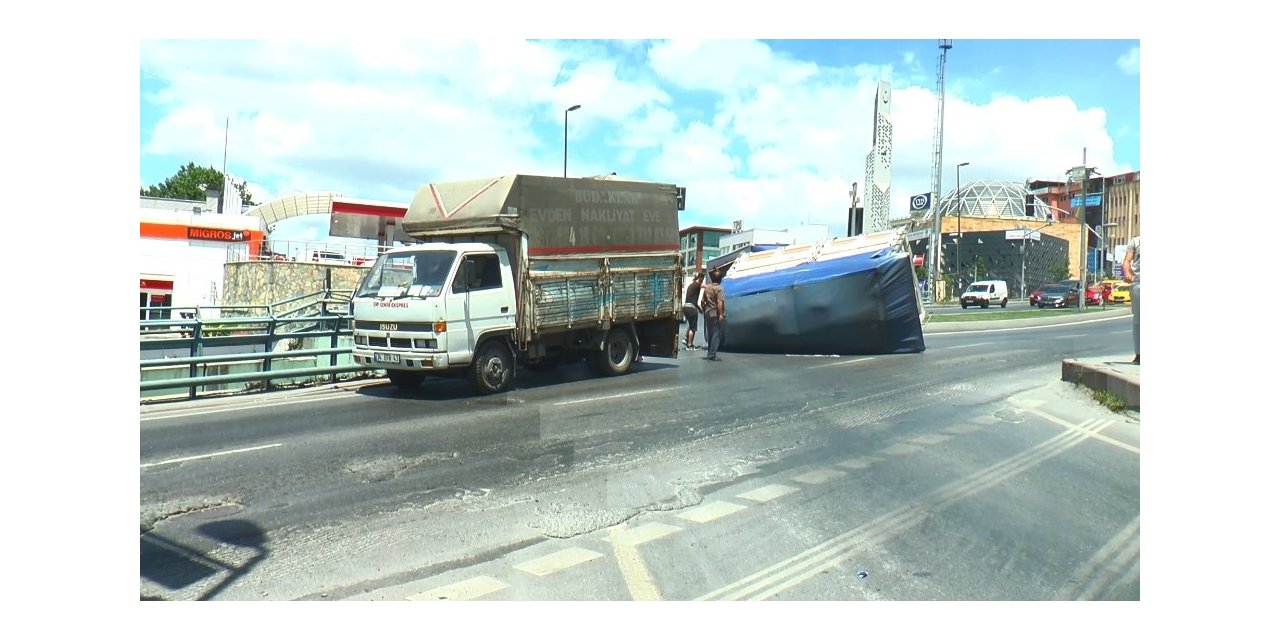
(616, 358)
(492, 368)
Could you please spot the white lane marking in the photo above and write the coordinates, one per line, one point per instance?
(1094, 434)
(837, 364)
(900, 449)
(966, 346)
(210, 455)
(612, 397)
(558, 561)
(821, 476)
(640, 583)
(188, 414)
(1074, 335)
(466, 590)
(768, 492)
(1043, 326)
(1102, 573)
(641, 534)
(862, 462)
(803, 566)
(712, 511)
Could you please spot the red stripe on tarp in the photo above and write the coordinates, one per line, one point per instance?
(144, 283)
(435, 196)
(544, 251)
(368, 209)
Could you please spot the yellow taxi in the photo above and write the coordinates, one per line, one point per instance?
(1107, 286)
(1120, 293)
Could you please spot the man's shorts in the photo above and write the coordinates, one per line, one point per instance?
(691, 316)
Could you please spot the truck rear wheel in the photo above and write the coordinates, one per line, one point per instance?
(492, 368)
(616, 358)
(407, 380)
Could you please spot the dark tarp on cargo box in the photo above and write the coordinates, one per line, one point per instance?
(859, 304)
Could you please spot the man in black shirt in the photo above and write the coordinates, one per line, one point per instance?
(692, 300)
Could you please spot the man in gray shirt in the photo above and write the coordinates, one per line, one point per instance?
(1132, 274)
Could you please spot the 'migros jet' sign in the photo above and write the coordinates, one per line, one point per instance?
(220, 235)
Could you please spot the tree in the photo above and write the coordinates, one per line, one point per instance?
(190, 182)
(980, 268)
(1059, 272)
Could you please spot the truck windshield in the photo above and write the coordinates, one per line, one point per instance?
(418, 273)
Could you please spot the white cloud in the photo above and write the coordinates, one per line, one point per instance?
(1128, 62)
(725, 67)
(752, 134)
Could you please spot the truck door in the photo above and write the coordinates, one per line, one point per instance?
(486, 303)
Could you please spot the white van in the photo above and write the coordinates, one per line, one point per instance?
(985, 293)
(327, 257)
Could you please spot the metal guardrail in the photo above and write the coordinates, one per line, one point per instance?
(310, 317)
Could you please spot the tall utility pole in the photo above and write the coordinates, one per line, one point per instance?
(226, 136)
(1081, 174)
(935, 237)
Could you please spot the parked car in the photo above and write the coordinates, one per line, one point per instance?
(1034, 298)
(1120, 293)
(1073, 284)
(1093, 295)
(1058, 296)
(985, 293)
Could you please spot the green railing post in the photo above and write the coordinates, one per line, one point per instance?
(269, 348)
(197, 350)
(192, 338)
(333, 344)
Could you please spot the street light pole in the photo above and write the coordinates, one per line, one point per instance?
(959, 233)
(566, 137)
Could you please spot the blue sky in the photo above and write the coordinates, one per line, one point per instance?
(770, 132)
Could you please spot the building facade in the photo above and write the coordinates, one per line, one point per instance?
(184, 245)
(879, 164)
(1002, 230)
(1111, 207)
(698, 245)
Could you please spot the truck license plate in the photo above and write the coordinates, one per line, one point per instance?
(387, 357)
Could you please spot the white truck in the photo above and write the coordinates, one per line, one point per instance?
(521, 269)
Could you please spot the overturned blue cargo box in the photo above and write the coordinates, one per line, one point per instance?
(843, 296)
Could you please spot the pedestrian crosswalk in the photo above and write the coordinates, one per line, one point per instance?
(625, 542)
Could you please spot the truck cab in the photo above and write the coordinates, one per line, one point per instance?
(438, 308)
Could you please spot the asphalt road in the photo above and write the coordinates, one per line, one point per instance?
(967, 472)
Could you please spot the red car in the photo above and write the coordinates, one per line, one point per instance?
(1093, 295)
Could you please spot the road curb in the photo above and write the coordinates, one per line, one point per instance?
(1103, 374)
